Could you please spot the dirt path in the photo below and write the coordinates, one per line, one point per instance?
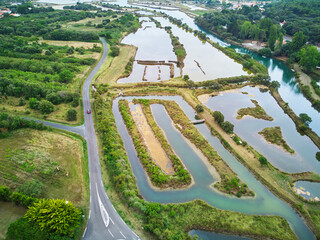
(305, 80)
(154, 147)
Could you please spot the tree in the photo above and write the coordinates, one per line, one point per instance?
(309, 57)
(298, 40)
(54, 215)
(275, 84)
(54, 98)
(31, 188)
(33, 103)
(218, 117)
(186, 77)
(305, 118)
(272, 37)
(115, 51)
(66, 76)
(227, 126)
(265, 52)
(318, 156)
(263, 160)
(72, 115)
(199, 108)
(46, 107)
(22, 102)
(280, 41)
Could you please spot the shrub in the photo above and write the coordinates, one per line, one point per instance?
(55, 215)
(218, 117)
(115, 51)
(33, 103)
(66, 76)
(318, 156)
(263, 160)
(23, 200)
(46, 107)
(22, 102)
(305, 118)
(5, 193)
(265, 52)
(199, 108)
(54, 98)
(32, 188)
(72, 115)
(227, 127)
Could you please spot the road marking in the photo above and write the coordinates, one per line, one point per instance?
(110, 232)
(111, 220)
(122, 235)
(84, 233)
(103, 211)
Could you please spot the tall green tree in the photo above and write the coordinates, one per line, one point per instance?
(309, 57)
(272, 37)
(298, 40)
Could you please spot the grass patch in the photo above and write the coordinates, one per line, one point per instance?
(9, 214)
(274, 136)
(256, 112)
(30, 154)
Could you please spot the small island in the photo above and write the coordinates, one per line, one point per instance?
(256, 112)
(274, 135)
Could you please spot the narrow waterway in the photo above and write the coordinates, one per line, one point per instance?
(248, 127)
(264, 203)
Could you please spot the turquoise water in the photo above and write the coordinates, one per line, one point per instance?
(248, 127)
(265, 203)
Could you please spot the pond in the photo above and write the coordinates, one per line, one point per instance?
(154, 44)
(247, 128)
(264, 202)
(308, 190)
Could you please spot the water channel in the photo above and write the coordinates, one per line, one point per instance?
(264, 203)
(247, 128)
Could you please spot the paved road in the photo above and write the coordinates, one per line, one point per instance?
(104, 221)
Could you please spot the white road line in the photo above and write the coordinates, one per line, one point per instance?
(122, 235)
(103, 211)
(111, 220)
(110, 233)
(84, 233)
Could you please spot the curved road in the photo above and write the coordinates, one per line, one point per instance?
(104, 221)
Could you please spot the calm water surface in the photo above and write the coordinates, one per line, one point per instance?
(264, 203)
(248, 127)
(313, 188)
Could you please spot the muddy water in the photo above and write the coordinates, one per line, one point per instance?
(248, 127)
(154, 44)
(264, 203)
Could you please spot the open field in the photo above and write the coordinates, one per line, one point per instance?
(111, 72)
(56, 159)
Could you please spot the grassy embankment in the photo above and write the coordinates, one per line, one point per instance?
(229, 182)
(165, 220)
(158, 178)
(256, 112)
(274, 135)
(31, 154)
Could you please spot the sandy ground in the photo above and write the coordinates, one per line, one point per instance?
(154, 147)
(305, 80)
(255, 45)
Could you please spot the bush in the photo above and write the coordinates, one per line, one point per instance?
(55, 215)
(23, 200)
(199, 108)
(22, 102)
(32, 188)
(72, 115)
(115, 51)
(265, 52)
(33, 103)
(46, 107)
(5, 193)
(65, 76)
(54, 98)
(318, 156)
(263, 160)
(218, 117)
(227, 127)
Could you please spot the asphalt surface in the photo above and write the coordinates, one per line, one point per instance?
(104, 221)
